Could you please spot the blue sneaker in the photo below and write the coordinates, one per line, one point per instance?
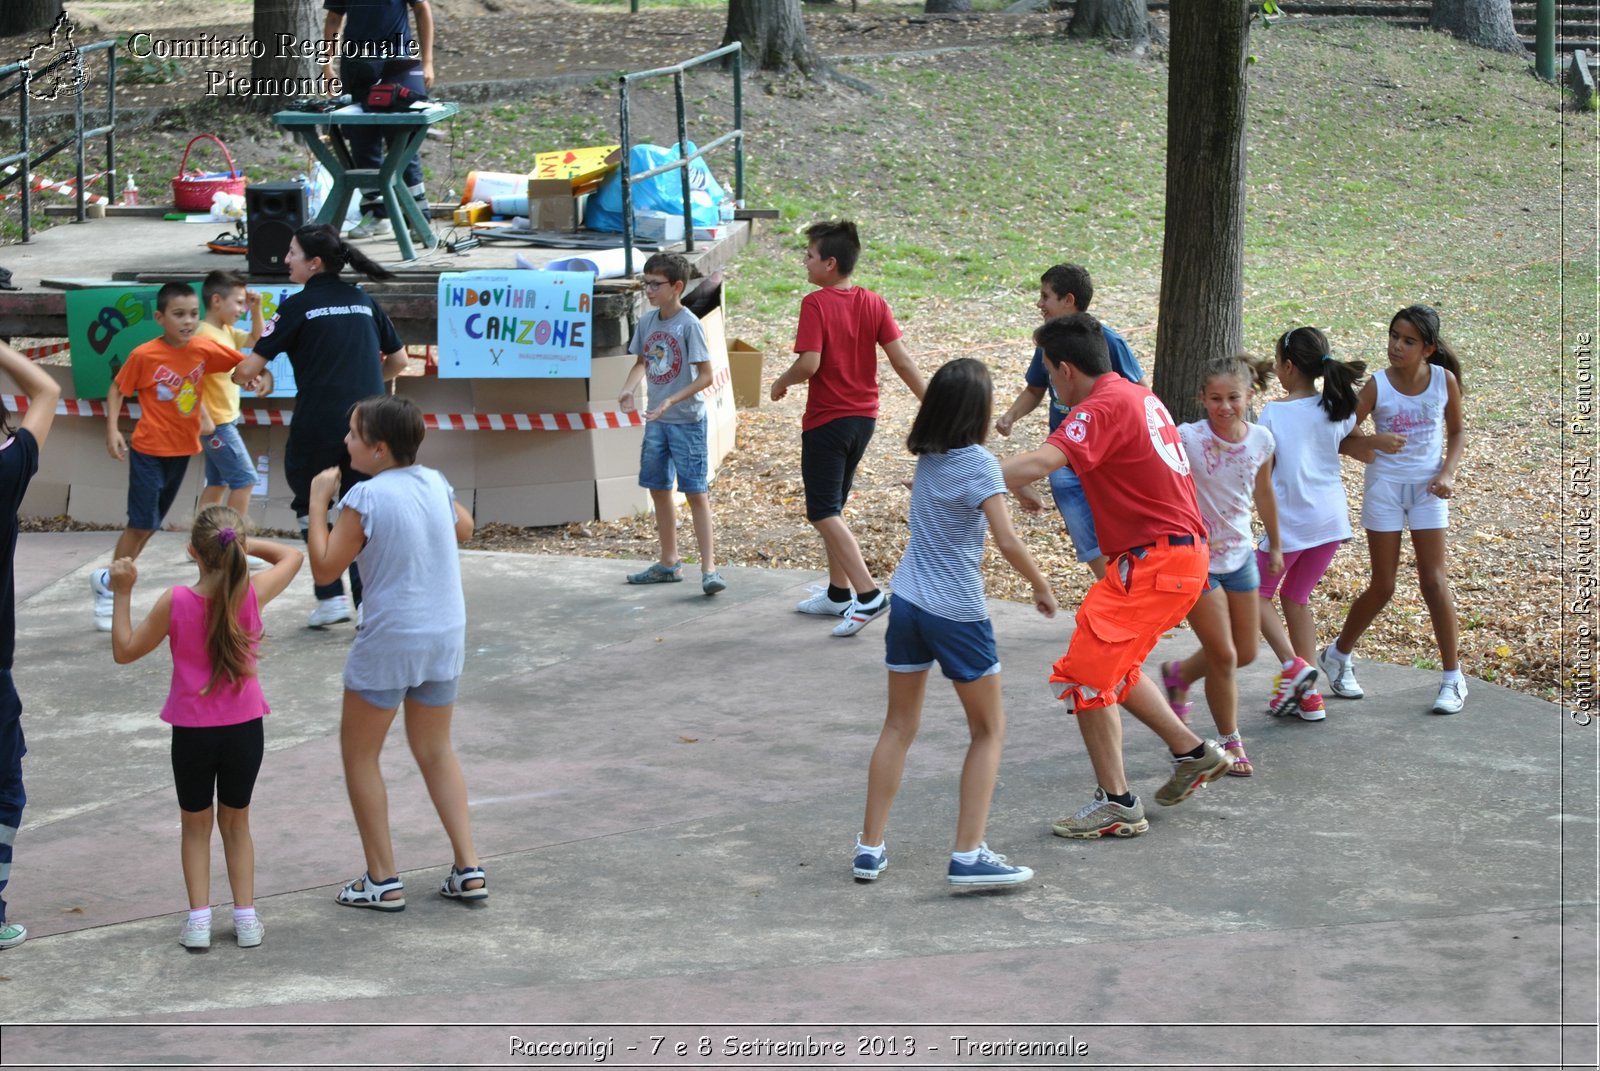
(868, 866)
(990, 869)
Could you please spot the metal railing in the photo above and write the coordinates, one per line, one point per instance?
(24, 160)
(736, 135)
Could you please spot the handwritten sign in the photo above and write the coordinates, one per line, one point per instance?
(578, 166)
(104, 324)
(515, 324)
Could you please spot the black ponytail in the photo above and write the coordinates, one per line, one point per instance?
(321, 240)
(1307, 349)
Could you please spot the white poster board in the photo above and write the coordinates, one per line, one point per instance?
(515, 324)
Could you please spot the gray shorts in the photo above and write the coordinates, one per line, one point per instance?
(428, 693)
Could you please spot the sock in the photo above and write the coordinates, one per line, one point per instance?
(966, 857)
(1123, 799)
(1452, 676)
(838, 594)
(243, 914)
(1336, 654)
(867, 598)
(200, 914)
(1195, 754)
(869, 849)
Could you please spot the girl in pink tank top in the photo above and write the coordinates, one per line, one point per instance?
(215, 704)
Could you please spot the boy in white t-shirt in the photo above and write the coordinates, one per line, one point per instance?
(671, 347)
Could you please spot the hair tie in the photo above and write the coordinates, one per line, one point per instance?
(1327, 357)
(226, 536)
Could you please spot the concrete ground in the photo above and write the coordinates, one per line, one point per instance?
(665, 788)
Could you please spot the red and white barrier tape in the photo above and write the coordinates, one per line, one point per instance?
(18, 403)
(35, 352)
(65, 187)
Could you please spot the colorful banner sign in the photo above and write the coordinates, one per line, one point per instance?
(105, 323)
(515, 324)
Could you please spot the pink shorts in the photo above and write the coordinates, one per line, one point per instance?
(1302, 569)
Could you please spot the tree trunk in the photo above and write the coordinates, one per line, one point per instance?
(1201, 314)
(25, 16)
(1119, 20)
(944, 7)
(1485, 23)
(773, 34)
(294, 75)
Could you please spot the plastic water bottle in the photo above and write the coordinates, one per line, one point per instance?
(130, 192)
(725, 210)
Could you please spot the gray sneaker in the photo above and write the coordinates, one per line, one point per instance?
(1341, 674)
(1101, 817)
(1189, 774)
(372, 227)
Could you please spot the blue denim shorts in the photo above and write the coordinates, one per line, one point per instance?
(1245, 578)
(153, 485)
(917, 639)
(674, 450)
(428, 693)
(228, 463)
(1073, 505)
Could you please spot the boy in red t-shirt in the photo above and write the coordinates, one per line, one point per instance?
(841, 327)
(1124, 447)
(165, 373)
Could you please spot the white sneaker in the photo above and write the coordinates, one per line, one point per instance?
(249, 932)
(100, 584)
(861, 614)
(1341, 674)
(823, 606)
(372, 227)
(360, 617)
(329, 611)
(1452, 697)
(195, 934)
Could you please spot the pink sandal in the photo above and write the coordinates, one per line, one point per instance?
(1177, 692)
(1241, 762)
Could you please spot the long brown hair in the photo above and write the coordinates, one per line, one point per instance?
(218, 541)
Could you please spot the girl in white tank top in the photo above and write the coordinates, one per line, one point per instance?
(1416, 407)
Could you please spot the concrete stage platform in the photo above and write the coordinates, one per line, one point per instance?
(138, 248)
(665, 788)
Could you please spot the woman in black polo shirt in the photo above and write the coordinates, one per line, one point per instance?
(343, 348)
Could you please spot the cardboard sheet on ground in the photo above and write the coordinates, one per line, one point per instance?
(515, 324)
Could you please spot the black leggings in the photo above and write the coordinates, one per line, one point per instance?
(221, 757)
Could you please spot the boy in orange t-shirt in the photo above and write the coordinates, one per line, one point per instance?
(165, 374)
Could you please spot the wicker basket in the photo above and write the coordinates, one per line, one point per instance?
(193, 193)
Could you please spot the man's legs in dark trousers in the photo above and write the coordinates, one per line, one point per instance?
(367, 142)
(12, 796)
(301, 465)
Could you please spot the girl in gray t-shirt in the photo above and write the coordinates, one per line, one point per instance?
(402, 527)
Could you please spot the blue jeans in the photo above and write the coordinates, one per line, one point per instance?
(1071, 503)
(674, 453)
(228, 463)
(12, 796)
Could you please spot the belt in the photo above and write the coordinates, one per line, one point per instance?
(1170, 541)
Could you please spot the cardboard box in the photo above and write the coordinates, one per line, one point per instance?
(657, 226)
(536, 507)
(722, 424)
(472, 212)
(620, 497)
(745, 362)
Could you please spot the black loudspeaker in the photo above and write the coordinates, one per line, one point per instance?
(273, 212)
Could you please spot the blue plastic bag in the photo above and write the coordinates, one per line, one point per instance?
(663, 193)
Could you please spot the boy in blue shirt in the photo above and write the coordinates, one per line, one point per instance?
(1063, 290)
(671, 347)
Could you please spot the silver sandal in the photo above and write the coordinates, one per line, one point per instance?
(371, 894)
(454, 887)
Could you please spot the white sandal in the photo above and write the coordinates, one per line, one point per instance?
(454, 887)
(371, 893)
